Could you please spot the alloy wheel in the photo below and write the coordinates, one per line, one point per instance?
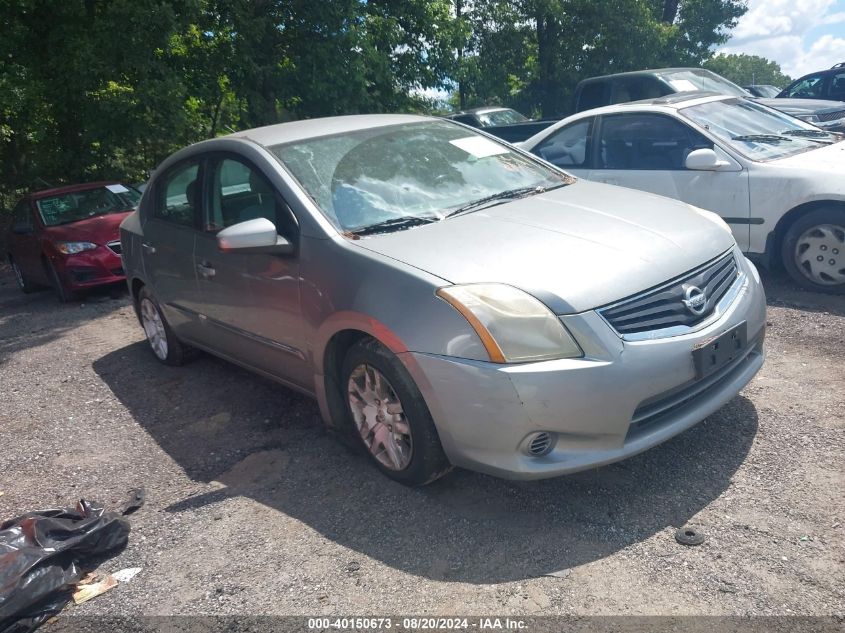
(820, 254)
(380, 418)
(154, 328)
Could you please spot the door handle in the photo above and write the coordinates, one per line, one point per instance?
(205, 270)
(148, 248)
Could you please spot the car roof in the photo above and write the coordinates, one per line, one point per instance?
(312, 128)
(674, 101)
(824, 71)
(57, 191)
(653, 72)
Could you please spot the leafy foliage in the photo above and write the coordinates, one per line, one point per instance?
(93, 89)
(748, 69)
(529, 54)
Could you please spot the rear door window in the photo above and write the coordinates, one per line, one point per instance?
(568, 146)
(837, 87)
(22, 214)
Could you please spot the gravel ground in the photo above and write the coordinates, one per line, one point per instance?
(253, 509)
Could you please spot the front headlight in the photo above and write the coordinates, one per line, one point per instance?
(71, 248)
(809, 118)
(513, 326)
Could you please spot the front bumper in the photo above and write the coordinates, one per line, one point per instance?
(622, 398)
(97, 267)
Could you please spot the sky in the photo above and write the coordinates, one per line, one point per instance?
(801, 35)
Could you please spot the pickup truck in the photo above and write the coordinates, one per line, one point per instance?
(596, 92)
(509, 125)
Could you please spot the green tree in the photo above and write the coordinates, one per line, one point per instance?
(696, 26)
(748, 69)
(530, 54)
(107, 88)
(89, 90)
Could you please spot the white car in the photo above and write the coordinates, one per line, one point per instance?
(777, 181)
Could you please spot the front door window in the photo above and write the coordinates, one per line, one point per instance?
(646, 142)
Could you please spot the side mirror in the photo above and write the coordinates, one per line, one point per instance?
(253, 236)
(22, 228)
(704, 160)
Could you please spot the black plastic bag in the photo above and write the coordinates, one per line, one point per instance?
(44, 554)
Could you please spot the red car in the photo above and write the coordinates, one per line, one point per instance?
(68, 238)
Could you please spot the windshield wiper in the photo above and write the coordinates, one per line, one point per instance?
(813, 133)
(395, 224)
(509, 194)
(821, 135)
(762, 138)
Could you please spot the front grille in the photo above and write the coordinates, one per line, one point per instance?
(114, 247)
(664, 307)
(831, 116)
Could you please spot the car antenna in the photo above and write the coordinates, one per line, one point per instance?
(47, 184)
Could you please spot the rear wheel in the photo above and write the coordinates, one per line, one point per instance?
(389, 414)
(24, 284)
(167, 348)
(813, 250)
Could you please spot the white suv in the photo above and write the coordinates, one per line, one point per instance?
(777, 181)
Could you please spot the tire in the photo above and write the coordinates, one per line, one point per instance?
(24, 284)
(401, 438)
(165, 346)
(63, 293)
(817, 234)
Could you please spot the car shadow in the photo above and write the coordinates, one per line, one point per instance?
(781, 291)
(220, 423)
(31, 320)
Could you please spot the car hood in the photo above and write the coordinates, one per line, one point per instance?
(575, 248)
(100, 229)
(803, 106)
(828, 160)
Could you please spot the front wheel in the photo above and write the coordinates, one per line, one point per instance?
(167, 348)
(813, 251)
(390, 416)
(24, 284)
(63, 293)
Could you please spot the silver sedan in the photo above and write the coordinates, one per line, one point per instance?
(447, 298)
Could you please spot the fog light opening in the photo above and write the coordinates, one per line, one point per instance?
(539, 444)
